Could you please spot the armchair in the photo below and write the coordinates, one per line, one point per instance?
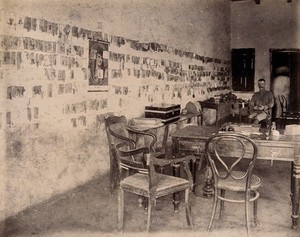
(132, 160)
(153, 185)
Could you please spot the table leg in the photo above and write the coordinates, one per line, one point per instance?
(196, 176)
(193, 171)
(208, 189)
(295, 194)
(240, 114)
(115, 174)
(176, 196)
(199, 120)
(165, 138)
(195, 166)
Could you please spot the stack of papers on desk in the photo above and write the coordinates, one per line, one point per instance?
(146, 123)
(293, 129)
(246, 128)
(246, 133)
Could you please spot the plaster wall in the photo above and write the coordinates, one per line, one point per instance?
(50, 148)
(274, 24)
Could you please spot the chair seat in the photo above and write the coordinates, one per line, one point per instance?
(139, 184)
(238, 185)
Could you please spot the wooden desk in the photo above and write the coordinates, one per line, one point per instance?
(191, 140)
(188, 118)
(222, 110)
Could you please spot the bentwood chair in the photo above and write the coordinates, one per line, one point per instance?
(118, 131)
(153, 185)
(291, 115)
(225, 153)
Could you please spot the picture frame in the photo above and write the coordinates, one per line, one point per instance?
(98, 66)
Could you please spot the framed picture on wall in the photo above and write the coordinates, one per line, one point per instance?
(98, 66)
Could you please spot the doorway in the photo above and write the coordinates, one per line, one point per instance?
(285, 77)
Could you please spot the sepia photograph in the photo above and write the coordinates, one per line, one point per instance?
(150, 118)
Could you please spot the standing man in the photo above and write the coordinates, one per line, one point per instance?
(261, 103)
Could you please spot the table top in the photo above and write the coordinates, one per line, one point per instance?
(145, 127)
(203, 132)
(196, 132)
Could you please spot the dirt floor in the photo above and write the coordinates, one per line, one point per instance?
(90, 210)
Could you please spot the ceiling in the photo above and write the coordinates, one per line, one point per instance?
(256, 1)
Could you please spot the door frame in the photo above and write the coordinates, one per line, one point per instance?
(272, 50)
(284, 50)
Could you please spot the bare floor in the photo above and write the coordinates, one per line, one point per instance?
(90, 210)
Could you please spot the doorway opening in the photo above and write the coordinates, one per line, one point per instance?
(285, 80)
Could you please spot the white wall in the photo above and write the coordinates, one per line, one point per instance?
(44, 153)
(274, 24)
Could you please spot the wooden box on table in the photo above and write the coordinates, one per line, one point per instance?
(166, 112)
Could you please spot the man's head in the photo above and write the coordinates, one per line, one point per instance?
(261, 84)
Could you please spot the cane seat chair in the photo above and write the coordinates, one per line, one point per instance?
(118, 131)
(232, 157)
(153, 185)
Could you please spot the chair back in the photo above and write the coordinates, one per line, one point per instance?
(283, 103)
(292, 115)
(116, 130)
(128, 161)
(122, 148)
(226, 151)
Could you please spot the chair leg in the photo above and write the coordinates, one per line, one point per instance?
(188, 209)
(151, 204)
(121, 210)
(214, 210)
(141, 201)
(222, 203)
(255, 212)
(145, 202)
(127, 172)
(247, 199)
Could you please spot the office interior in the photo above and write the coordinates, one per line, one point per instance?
(55, 100)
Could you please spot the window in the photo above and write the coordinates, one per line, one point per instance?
(242, 63)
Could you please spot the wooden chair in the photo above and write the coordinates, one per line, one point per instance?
(225, 153)
(291, 115)
(153, 185)
(117, 131)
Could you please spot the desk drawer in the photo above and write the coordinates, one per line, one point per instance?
(276, 153)
(191, 147)
(224, 109)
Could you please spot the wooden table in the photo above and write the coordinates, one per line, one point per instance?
(191, 140)
(183, 118)
(222, 110)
